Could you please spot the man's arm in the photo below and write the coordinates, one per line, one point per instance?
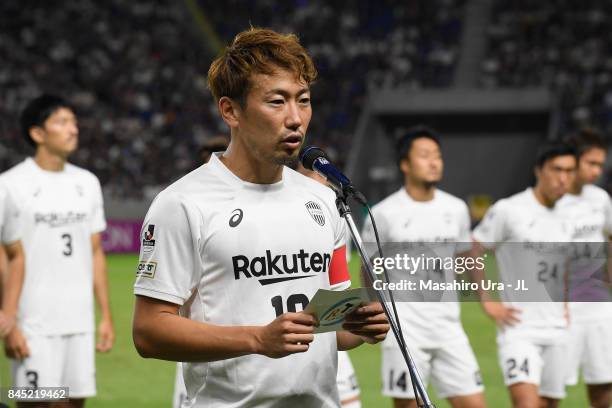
(15, 344)
(106, 334)
(159, 332)
(12, 284)
(500, 313)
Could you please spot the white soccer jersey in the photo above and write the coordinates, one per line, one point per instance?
(443, 221)
(530, 243)
(234, 253)
(9, 218)
(591, 214)
(59, 213)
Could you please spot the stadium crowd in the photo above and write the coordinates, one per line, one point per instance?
(560, 44)
(135, 72)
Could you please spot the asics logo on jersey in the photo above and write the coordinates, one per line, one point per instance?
(55, 219)
(267, 268)
(236, 217)
(316, 212)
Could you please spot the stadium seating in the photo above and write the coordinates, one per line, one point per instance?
(136, 72)
(561, 44)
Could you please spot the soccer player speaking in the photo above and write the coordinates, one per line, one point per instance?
(234, 250)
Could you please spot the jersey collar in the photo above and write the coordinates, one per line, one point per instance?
(220, 169)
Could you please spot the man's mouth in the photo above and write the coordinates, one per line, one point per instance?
(292, 142)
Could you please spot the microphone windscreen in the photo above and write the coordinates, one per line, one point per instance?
(309, 154)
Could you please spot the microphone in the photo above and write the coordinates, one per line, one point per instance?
(315, 159)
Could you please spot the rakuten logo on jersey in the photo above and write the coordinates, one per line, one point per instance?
(55, 219)
(299, 266)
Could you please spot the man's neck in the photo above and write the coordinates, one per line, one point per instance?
(420, 191)
(541, 198)
(48, 161)
(248, 168)
(576, 188)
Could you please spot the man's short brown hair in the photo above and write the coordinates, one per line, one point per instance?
(257, 51)
(586, 139)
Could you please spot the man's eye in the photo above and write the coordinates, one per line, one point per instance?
(276, 101)
(305, 101)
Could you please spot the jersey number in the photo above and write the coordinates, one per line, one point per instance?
(512, 366)
(292, 302)
(32, 377)
(68, 244)
(399, 382)
(547, 272)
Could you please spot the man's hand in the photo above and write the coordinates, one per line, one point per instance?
(106, 336)
(501, 314)
(368, 322)
(6, 324)
(15, 345)
(289, 333)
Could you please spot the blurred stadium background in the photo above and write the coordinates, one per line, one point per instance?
(495, 77)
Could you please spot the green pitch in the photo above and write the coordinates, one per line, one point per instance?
(127, 380)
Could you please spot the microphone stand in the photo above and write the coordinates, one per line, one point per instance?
(419, 388)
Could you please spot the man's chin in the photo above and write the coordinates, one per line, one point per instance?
(287, 158)
(432, 182)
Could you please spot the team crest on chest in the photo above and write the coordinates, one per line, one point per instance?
(316, 212)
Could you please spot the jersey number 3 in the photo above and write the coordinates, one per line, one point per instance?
(67, 238)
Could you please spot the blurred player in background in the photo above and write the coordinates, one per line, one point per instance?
(62, 217)
(11, 262)
(212, 145)
(234, 246)
(421, 213)
(590, 209)
(524, 230)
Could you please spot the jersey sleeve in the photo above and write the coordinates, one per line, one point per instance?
(98, 221)
(492, 229)
(167, 266)
(608, 215)
(9, 218)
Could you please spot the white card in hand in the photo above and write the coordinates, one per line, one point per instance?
(330, 307)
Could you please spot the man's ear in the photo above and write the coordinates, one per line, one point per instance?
(37, 134)
(404, 167)
(230, 111)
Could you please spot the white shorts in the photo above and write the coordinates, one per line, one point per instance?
(59, 361)
(348, 388)
(527, 361)
(180, 392)
(453, 370)
(590, 350)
